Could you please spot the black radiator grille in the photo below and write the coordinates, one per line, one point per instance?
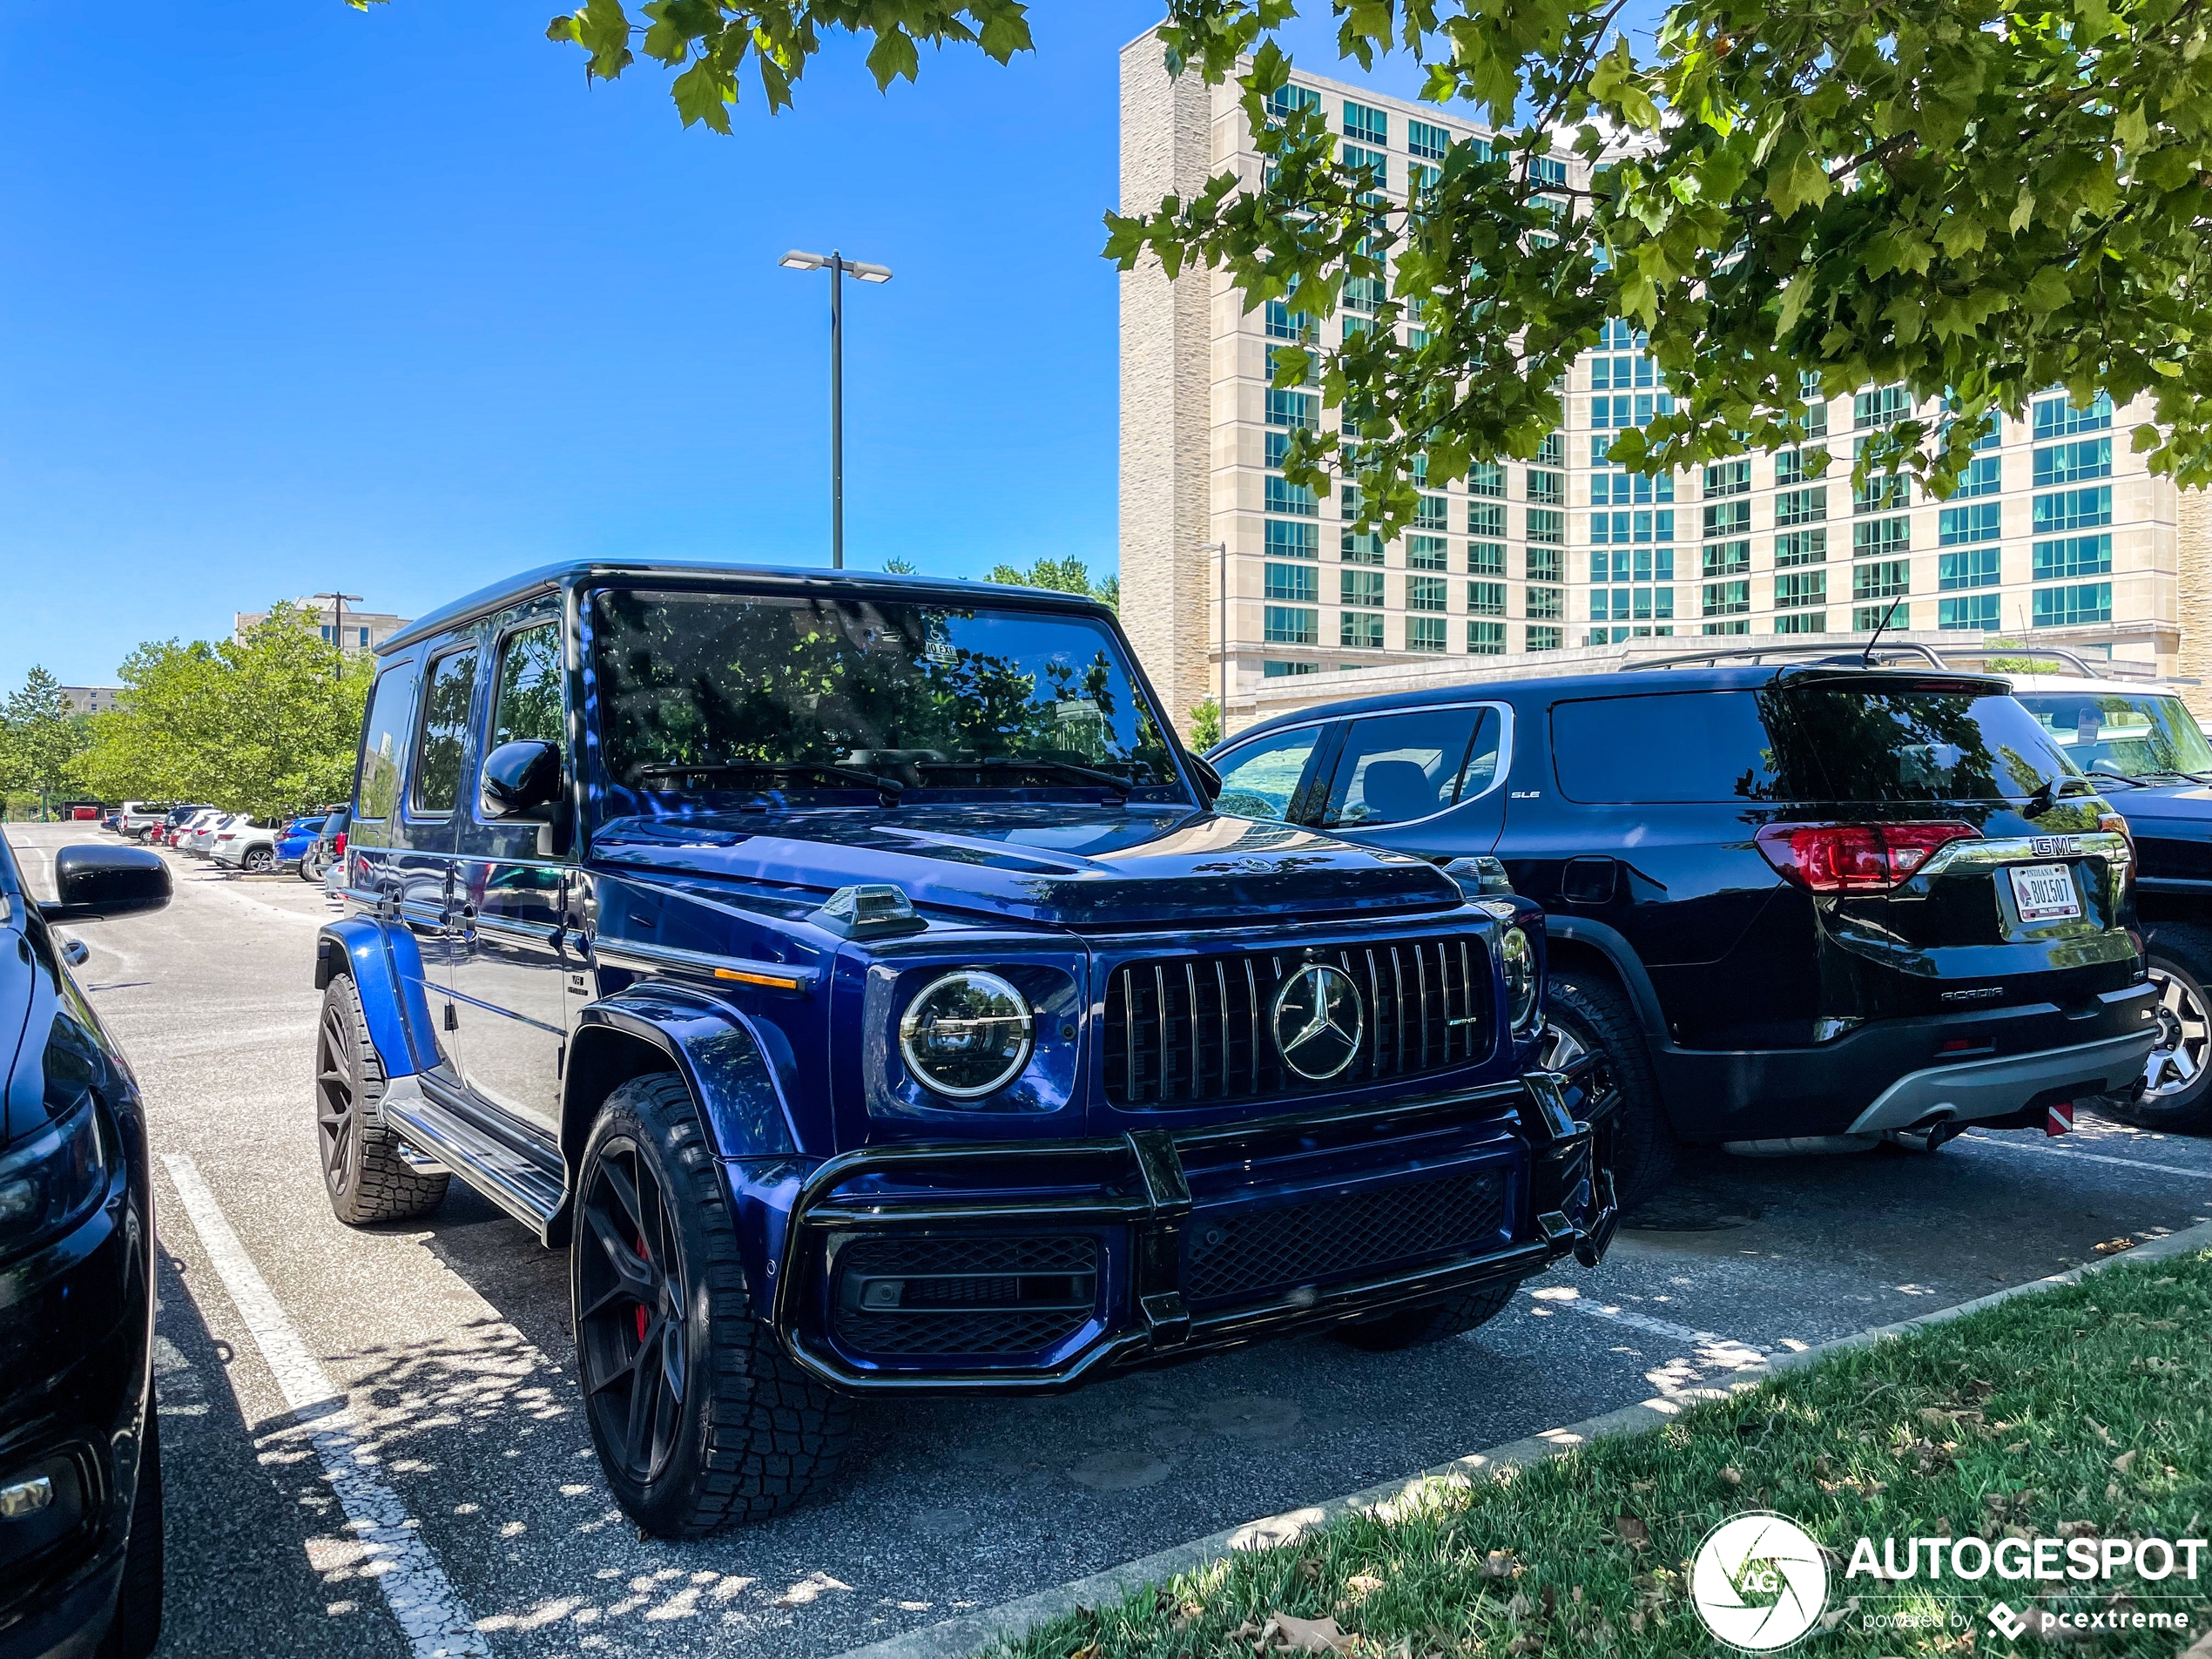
(965, 1295)
(1184, 1030)
(1259, 1251)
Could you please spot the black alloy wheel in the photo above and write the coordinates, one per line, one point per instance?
(1590, 1034)
(2177, 1077)
(363, 1172)
(631, 1305)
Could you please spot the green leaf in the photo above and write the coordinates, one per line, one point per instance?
(1794, 298)
(703, 92)
(2048, 291)
(602, 30)
(2023, 212)
(561, 28)
(2131, 128)
(1961, 235)
(893, 55)
(1803, 183)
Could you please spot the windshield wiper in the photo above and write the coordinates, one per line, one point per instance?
(2117, 777)
(866, 779)
(1039, 766)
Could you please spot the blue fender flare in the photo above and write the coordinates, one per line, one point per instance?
(391, 990)
(717, 1050)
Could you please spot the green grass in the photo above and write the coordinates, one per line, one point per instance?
(2088, 1406)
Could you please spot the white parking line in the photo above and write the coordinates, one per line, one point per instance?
(429, 1610)
(2088, 1158)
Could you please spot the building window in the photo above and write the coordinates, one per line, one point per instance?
(1790, 466)
(2054, 417)
(2073, 510)
(1867, 618)
(1352, 158)
(1978, 567)
(1956, 526)
(1270, 669)
(1808, 506)
(1548, 524)
(1429, 143)
(1300, 409)
(1882, 580)
(1882, 538)
(1360, 547)
(1285, 626)
(1486, 598)
(1369, 127)
(1360, 630)
(1284, 496)
(1622, 411)
(1552, 452)
(1623, 374)
(1544, 638)
(1313, 366)
(1486, 478)
(1728, 518)
(1549, 488)
(1739, 626)
(1884, 405)
(1985, 475)
(1287, 539)
(1885, 492)
(1425, 633)
(1299, 583)
(1633, 564)
(1977, 610)
(1283, 323)
(1427, 553)
(1432, 512)
(1802, 622)
(1285, 101)
(1727, 478)
(1546, 565)
(2070, 463)
(1620, 488)
(1364, 295)
(1800, 588)
(1727, 558)
(1632, 604)
(1360, 587)
(1485, 518)
(1800, 547)
(1485, 558)
(1486, 638)
(1617, 528)
(1425, 593)
(1815, 417)
(1545, 601)
(2065, 607)
(1727, 598)
(2076, 555)
(1422, 182)
(1278, 450)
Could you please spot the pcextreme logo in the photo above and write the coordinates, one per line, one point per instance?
(1759, 1581)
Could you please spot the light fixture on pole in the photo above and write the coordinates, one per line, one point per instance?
(338, 623)
(837, 265)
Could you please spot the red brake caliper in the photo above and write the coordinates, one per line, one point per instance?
(643, 1255)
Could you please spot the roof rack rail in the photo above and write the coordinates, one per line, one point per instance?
(1826, 652)
(2086, 667)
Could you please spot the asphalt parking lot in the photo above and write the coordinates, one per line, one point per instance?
(442, 1351)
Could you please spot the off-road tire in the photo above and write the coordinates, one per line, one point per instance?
(2181, 955)
(1599, 1018)
(1416, 1327)
(136, 1626)
(362, 1172)
(754, 1434)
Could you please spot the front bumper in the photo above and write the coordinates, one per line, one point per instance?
(1133, 1202)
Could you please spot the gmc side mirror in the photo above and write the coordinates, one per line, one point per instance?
(1209, 778)
(92, 881)
(519, 778)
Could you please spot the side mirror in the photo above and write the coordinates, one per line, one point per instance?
(94, 881)
(1209, 779)
(519, 778)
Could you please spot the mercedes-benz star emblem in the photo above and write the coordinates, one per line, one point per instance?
(1318, 1019)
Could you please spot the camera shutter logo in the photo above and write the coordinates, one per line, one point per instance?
(1318, 1018)
(1759, 1581)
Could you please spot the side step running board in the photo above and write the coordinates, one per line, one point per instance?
(525, 1180)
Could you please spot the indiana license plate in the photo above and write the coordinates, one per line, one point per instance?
(2044, 892)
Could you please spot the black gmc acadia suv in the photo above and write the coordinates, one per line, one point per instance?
(1790, 907)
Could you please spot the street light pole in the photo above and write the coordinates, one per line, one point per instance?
(837, 265)
(338, 625)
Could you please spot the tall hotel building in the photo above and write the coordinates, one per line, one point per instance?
(1235, 579)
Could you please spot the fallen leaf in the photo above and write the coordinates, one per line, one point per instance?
(2101, 1431)
(2114, 1246)
(2201, 1647)
(1089, 1650)
(1733, 1476)
(1284, 1634)
(2016, 1449)
(1362, 1584)
(1520, 1607)
(1835, 1615)
(1498, 1564)
(1631, 1530)
(2124, 1462)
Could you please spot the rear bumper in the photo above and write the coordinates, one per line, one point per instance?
(1975, 1090)
(1147, 1205)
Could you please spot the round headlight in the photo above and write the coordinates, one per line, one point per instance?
(1518, 958)
(967, 1035)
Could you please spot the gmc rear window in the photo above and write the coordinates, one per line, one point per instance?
(1846, 745)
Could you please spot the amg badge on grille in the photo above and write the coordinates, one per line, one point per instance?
(1318, 1019)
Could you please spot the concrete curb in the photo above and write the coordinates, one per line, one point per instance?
(957, 1638)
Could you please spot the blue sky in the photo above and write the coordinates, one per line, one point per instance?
(293, 296)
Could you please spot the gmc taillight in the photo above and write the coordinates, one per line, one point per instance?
(1856, 858)
(338, 850)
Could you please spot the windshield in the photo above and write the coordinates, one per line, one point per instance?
(2137, 734)
(733, 696)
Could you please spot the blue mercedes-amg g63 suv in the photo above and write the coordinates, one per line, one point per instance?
(851, 972)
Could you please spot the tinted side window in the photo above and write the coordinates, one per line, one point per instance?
(1260, 780)
(384, 742)
(1669, 746)
(529, 705)
(1395, 767)
(445, 732)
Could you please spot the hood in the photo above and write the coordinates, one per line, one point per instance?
(2169, 804)
(1079, 865)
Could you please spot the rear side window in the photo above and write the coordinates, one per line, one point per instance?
(445, 732)
(1397, 767)
(1669, 746)
(383, 741)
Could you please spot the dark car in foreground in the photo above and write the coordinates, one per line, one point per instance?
(1791, 907)
(853, 974)
(80, 1461)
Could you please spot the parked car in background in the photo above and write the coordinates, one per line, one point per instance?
(80, 1447)
(1118, 1081)
(1790, 907)
(137, 818)
(324, 854)
(174, 820)
(199, 839)
(248, 844)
